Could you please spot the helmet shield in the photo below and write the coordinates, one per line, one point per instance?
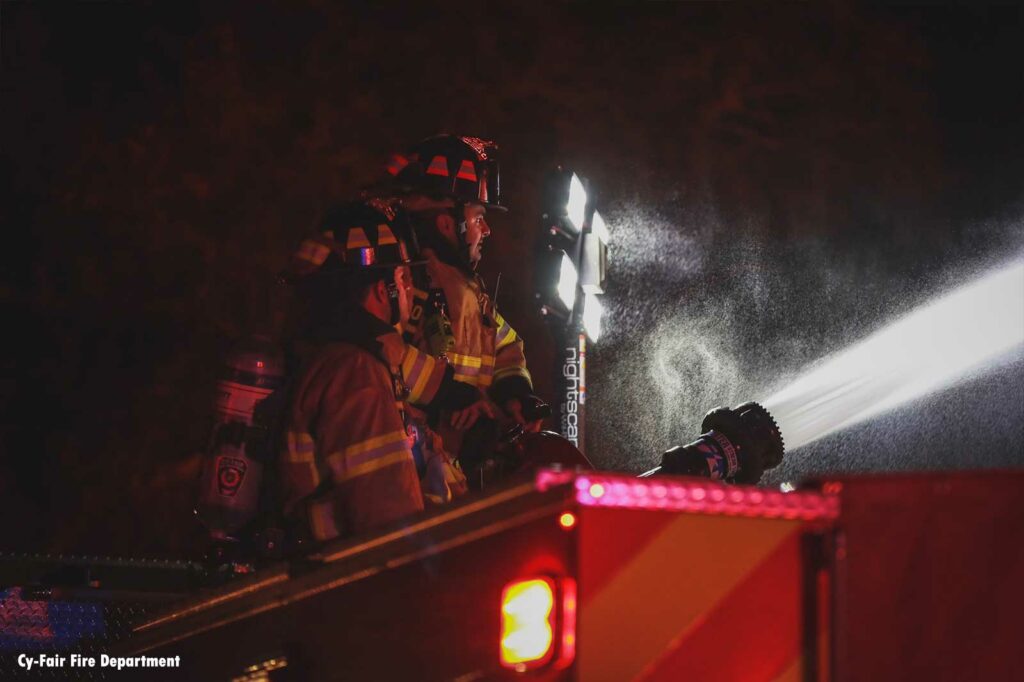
(490, 185)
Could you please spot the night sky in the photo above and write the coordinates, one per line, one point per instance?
(779, 181)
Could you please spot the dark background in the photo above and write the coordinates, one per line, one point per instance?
(778, 180)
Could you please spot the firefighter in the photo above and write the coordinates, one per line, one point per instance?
(448, 184)
(347, 465)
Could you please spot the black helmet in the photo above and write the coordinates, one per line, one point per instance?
(356, 246)
(462, 168)
(352, 235)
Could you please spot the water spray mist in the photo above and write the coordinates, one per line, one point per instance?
(927, 350)
(931, 348)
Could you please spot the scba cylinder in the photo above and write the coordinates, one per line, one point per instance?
(245, 409)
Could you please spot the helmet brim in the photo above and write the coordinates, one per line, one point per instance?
(416, 201)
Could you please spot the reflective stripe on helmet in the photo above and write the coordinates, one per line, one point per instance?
(357, 239)
(313, 251)
(439, 166)
(466, 171)
(462, 168)
(397, 163)
(385, 235)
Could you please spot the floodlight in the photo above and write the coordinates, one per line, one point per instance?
(592, 311)
(593, 264)
(577, 204)
(556, 281)
(567, 281)
(598, 227)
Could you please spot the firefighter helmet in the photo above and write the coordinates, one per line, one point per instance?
(357, 244)
(352, 235)
(462, 168)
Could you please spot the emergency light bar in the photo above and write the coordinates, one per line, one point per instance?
(621, 491)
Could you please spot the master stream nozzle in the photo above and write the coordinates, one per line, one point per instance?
(738, 446)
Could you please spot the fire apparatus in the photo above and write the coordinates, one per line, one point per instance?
(586, 575)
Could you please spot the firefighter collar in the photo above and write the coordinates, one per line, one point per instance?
(360, 328)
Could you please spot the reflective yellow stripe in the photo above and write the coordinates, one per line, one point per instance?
(300, 447)
(367, 453)
(468, 360)
(300, 455)
(506, 334)
(413, 356)
(471, 362)
(371, 443)
(508, 339)
(421, 384)
(404, 455)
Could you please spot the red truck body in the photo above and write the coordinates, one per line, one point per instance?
(896, 577)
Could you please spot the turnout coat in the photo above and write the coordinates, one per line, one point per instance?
(347, 464)
(488, 353)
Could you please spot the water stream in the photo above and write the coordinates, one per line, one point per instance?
(956, 336)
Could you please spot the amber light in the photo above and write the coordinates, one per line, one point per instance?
(527, 634)
(567, 520)
(538, 623)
